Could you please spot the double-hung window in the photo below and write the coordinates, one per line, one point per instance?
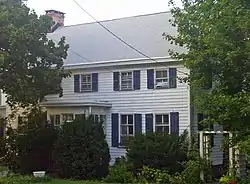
(67, 117)
(161, 78)
(86, 82)
(126, 127)
(126, 80)
(55, 120)
(162, 123)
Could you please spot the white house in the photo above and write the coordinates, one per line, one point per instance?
(131, 92)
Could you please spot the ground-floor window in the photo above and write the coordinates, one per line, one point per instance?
(58, 119)
(126, 127)
(55, 120)
(67, 117)
(162, 123)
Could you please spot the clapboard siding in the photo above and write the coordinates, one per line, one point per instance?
(141, 101)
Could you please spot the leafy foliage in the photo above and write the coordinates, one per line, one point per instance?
(161, 151)
(120, 172)
(31, 65)
(29, 147)
(24, 180)
(81, 150)
(216, 35)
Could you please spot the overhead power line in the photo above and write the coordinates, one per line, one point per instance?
(116, 36)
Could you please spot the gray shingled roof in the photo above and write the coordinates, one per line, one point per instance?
(95, 43)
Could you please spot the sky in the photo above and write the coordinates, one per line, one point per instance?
(100, 9)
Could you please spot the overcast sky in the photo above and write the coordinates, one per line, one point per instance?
(100, 9)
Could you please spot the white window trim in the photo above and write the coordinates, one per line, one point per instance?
(161, 69)
(154, 120)
(120, 77)
(119, 129)
(67, 114)
(81, 90)
(56, 115)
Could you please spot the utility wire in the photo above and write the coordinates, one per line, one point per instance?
(119, 38)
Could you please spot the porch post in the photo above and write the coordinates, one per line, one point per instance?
(201, 153)
(90, 110)
(230, 154)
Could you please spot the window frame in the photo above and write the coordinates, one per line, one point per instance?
(155, 78)
(54, 116)
(162, 125)
(90, 83)
(120, 127)
(132, 82)
(67, 114)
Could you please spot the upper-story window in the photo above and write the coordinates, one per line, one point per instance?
(161, 78)
(126, 80)
(86, 82)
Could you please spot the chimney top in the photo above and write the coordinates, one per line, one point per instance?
(54, 11)
(58, 18)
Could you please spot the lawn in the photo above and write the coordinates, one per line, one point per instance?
(70, 182)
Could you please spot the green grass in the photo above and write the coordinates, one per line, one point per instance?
(70, 182)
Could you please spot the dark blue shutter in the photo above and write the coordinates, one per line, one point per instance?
(76, 83)
(94, 82)
(149, 123)
(115, 130)
(172, 77)
(138, 123)
(150, 76)
(116, 81)
(2, 127)
(174, 123)
(137, 79)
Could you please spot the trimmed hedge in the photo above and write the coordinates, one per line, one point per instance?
(81, 151)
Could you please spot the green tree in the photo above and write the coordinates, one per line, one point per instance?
(217, 37)
(31, 65)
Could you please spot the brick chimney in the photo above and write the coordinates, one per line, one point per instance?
(58, 18)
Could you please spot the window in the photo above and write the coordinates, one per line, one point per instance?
(67, 117)
(161, 78)
(86, 82)
(103, 120)
(126, 80)
(162, 123)
(55, 120)
(127, 127)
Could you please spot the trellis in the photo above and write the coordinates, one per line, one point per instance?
(234, 154)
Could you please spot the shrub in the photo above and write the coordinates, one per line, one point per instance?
(81, 151)
(24, 180)
(120, 172)
(150, 175)
(159, 151)
(29, 147)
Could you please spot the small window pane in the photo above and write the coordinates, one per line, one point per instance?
(123, 119)
(166, 129)
(126, 80)
(57, 120)
(164, 73)
(165, 119)
(158, 129)
(158, 119)
(130, 119)
(130, 130)
(124, 130)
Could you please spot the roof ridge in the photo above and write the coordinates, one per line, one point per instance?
(109, 20)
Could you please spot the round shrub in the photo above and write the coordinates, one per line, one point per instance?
(81, 151)
(120, 172)
(158, 151)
